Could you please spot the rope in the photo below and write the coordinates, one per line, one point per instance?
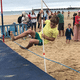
(48, 59)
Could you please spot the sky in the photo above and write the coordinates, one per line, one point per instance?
(29, 4)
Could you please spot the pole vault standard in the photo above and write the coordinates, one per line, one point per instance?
(43, 38)
(2, 20)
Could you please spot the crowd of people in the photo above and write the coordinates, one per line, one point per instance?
(50, 30)
(32, 18)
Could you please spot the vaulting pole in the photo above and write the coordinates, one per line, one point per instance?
(46, 5)
(43, 38)
(2, 20)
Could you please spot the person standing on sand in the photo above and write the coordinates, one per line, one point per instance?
(75, 14)
(55, 13)
(68, 33)
(50, 33)
(29, 15)
(25, 18)
(47, 15)
(63, 12)
(38, 16)
(61, 23)
(19, 19)
(68, 14)
(33, 20)
(77, 27)
(39, 20)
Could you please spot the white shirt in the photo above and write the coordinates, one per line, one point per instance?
(25, 19)
(33, 20)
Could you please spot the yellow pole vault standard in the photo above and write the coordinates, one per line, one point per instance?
(43, 38)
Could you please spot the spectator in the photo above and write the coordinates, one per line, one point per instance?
(63, 12)
(68, 33)
(38, 16)
(75, 14)
(61, 23)
(47, 14)
(68, 14)
(39, 20)
(77, 27)
(29, 15)
(19, 19)
(25, 18)
(33, 20)
(55, 13)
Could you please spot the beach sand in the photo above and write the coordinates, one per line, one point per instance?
(59, 51)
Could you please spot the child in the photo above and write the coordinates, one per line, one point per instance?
(68, 33)
(50, 32)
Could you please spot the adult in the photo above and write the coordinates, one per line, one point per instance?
(61, 23)
(29, 24)
(19, 19)
(52, 13)
(39, 20)
(77, 27)
(29, 15)
(25, 18)
(68, 14)
(47, 15)
(75, 14)
(63, 12)
(55, 13)
(33, 20)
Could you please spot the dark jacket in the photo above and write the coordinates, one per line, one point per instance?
(68, 33)
(19, 19)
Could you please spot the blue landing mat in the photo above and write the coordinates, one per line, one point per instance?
(15, 67)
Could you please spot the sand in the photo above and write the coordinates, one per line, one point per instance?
(59, 51)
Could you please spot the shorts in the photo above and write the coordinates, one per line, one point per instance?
(68, 37)
(38, 38)
(61, 26)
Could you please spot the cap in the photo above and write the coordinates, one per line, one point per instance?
(24, 13)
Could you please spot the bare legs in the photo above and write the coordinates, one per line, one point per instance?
(63, 32)
(67, 41)
(31, 42)
(32, 33)
(60, 33)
